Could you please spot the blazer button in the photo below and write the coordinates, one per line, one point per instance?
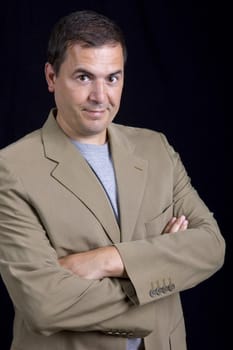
(164, 289)
(153, 292)
(160, 290)
(130, 334)
(171, 287)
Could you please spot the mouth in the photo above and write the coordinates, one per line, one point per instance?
(95, 110)
(95, 113)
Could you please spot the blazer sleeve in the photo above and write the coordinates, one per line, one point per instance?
(49, 297)
(178, 261)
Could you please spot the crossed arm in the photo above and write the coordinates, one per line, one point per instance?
(106, 261)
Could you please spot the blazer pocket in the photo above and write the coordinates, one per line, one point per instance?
(156, 226)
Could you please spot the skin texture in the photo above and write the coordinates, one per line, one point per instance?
(87, 91)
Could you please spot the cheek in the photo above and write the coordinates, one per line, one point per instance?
(73, 94)
(78, 95)
(116, 96)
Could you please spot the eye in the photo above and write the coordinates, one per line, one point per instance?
(83, 77)
(113, 79)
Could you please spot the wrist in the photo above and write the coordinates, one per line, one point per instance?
(113, 264)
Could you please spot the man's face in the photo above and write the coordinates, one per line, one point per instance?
(87, 90)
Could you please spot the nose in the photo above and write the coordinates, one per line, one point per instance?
(98, 92)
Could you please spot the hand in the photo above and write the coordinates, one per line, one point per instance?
(176, 224)
(95, 264)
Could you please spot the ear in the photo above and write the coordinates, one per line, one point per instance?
(50, 76)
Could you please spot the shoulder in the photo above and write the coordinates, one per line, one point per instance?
(142, 139)
(22, 146)
(132, 131)
(22, 155)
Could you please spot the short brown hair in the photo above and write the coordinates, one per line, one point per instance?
(86, 27)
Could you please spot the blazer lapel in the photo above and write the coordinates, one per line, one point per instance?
(72, 172)
(131, 174)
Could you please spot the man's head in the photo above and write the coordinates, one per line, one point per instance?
(85, 71)
(86, 28)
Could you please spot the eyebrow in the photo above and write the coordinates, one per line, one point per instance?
(84, 71)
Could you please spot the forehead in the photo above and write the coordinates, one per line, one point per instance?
(106, 58)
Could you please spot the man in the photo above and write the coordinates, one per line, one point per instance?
(100, 228)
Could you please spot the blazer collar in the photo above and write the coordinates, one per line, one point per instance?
(72, 172)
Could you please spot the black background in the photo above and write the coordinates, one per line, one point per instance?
(174, 84)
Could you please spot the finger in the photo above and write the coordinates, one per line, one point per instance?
(184, 225)
(169, 225)
(177, 224)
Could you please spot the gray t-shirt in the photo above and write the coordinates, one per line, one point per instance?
(99, 159)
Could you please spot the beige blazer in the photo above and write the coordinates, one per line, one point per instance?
(51, 205)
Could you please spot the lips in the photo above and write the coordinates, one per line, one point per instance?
(95, 113)
(95, 110)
